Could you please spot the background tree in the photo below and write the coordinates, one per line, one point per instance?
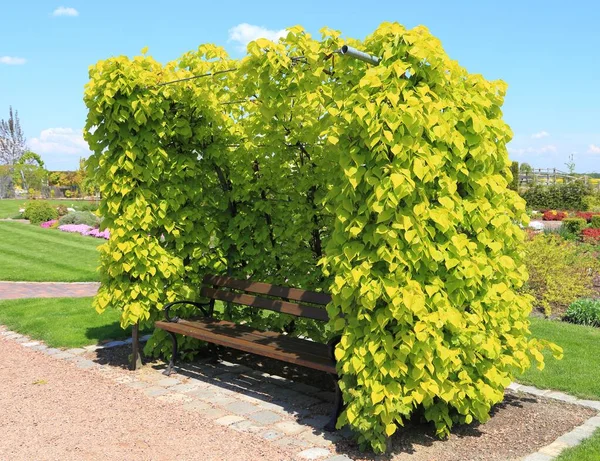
(29, 172)
(84, 182)
(525, 168)
(12, 139)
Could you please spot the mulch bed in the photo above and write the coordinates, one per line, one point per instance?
(520, 425)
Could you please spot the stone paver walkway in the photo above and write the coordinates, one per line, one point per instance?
(20, 290)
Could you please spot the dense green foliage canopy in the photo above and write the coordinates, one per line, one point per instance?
(384, 185)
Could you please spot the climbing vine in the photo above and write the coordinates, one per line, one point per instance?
(385, 185)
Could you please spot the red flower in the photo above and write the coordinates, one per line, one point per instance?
(592, 235)
(587, 215)
(553, 215)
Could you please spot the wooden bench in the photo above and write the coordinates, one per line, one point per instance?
(279, 346)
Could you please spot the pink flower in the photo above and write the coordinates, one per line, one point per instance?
(49, 224)
(85, 230)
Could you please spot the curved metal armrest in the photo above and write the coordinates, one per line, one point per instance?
(331, 344)
(193, 303)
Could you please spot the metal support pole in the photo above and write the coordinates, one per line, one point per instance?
(360, 55)
(136, 360)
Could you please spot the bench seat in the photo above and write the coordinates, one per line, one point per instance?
(266, 343)
(279, 346)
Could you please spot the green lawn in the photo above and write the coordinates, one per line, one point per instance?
(10, 207)
(31, 254)
(578, 373)
(589, 450)
(61, 322)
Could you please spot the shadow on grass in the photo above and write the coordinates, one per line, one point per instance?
(108, 332)
(112, 332)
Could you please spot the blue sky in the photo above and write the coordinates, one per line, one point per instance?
(548, 52)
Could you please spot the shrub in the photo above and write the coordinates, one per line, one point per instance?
(38, 211)
(591, 234)
(535, 215)
(567, 196)
(88, 207)
(553, 215)
(62, 210)
(561, 232)
(80, 217)
(584, 312)
(592, 202)
(595, 222)
(574, 225)
(559, 272)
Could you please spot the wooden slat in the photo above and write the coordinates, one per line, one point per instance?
(279, 347)
(295, 294)
(249, 334)
(276, 305)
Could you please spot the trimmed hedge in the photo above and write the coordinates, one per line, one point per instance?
(566, 196)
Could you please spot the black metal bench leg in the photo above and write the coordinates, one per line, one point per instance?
(214, 354)
(338, 407)
(169, 369)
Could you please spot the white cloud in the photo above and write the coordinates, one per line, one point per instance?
(12, 60)
(65, 11)
(245, 33)
(540, 135)
(59, 142)
(594, 149)
(534, 150)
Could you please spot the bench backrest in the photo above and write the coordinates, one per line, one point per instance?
(244, 292)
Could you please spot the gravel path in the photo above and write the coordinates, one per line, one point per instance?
(52, 410)
(20, 290)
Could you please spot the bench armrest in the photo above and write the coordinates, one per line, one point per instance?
(331, 344)
(193, 303)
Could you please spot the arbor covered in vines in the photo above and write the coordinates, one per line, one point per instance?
(385, 185)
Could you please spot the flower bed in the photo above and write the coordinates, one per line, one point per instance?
(82, 229)
(105, 234)
(556, 215)
(553, 215)
(587, 215)
(591, 234)
(49, 224)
